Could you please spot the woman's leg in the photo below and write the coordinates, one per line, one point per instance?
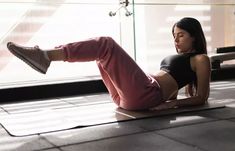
(109, 84)
(135, 89)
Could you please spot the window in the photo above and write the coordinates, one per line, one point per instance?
(49, 24)
(154, 20)
(146, 35)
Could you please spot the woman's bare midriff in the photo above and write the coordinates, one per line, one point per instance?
(167, 83)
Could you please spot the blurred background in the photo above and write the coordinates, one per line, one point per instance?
(145, 33)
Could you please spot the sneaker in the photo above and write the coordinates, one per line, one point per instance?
(33, 56)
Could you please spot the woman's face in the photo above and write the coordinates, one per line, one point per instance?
(183, 41)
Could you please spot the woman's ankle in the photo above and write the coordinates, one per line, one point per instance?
(56, 54)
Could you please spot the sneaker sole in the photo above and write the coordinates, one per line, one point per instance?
(14, 52)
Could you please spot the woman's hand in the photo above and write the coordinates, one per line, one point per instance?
(165, 105)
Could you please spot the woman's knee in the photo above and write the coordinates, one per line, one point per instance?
(107, 41)
(106, 45)
(106, 38)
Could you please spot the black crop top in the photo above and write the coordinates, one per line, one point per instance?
(179, 67)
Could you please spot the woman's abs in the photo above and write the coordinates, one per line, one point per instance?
(167, 83)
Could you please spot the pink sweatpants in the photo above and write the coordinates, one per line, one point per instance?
(127, 84)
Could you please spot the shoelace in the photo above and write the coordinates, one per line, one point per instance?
(36, 47)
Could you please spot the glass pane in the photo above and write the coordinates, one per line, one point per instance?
(56, 22)
(191, 2)
(154, 21)
(49, 24)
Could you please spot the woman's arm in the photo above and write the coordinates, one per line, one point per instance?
(201, 65)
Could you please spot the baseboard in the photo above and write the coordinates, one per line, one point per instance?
(52, 90)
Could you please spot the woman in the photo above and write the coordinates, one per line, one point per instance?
(127, 84)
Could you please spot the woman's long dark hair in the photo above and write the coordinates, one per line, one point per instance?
(194, 28)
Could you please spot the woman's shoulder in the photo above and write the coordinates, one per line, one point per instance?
(200, 60)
